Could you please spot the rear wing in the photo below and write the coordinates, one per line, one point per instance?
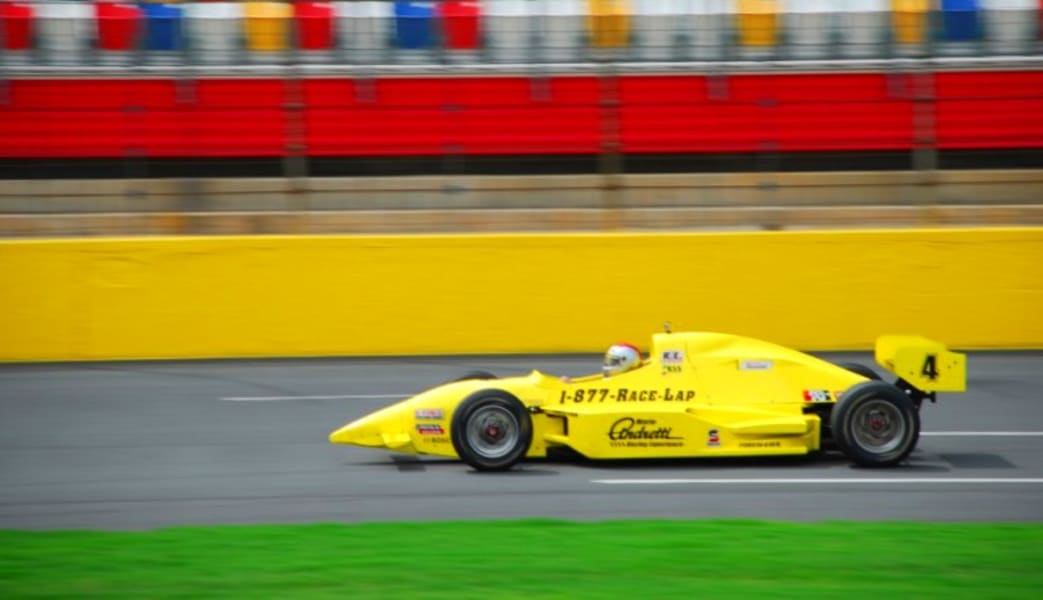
(925, 364)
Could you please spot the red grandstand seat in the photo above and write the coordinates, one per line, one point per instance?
(460, 20)
(118, 25)
(314, 25)
(18, 25)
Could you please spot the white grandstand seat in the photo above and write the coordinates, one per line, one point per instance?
(808, 28)
(712, 30)
(562, 30)
(215, 32)
(364, 31)
(1010, 26)
(66, 31)
(509, 27)
(661, 29)
(863, 27)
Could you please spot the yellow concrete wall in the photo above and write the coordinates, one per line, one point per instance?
(365, 295)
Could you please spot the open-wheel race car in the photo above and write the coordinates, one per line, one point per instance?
(696, 395)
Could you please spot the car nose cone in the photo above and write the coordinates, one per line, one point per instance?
(385, 428)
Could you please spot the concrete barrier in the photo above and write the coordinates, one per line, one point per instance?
(191, 297)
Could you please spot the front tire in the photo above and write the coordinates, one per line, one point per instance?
(491, 430)
(875, 424)
(470, 375)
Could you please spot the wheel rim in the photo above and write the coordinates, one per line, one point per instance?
(879, 426)
(493, 431)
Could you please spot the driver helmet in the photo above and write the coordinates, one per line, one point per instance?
(621, 358)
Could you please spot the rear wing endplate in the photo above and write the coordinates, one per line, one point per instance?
(925, 364)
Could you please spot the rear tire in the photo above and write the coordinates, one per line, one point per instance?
(491, 430)
(875, 424)
(860, 369)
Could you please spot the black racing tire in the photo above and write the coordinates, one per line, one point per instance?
(860, 369)
(491, 430)
(474, 375)
(875, 424)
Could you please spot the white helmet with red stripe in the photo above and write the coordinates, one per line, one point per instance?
(621, 358)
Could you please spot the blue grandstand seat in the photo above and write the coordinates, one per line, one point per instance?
(163, 27)
(960, 20)
(414, 25)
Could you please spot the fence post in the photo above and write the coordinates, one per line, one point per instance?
(925, 143)
(610, 160)
(295, 159)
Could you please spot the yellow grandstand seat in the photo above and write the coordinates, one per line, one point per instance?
(758, 22)
(909, 19)
(609, 22)
(267, 25)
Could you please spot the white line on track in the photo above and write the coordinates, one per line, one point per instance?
(832, 481)
(292, 398)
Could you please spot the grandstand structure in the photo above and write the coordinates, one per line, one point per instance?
(207, 116)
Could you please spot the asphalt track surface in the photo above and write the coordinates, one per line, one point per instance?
(144, 445)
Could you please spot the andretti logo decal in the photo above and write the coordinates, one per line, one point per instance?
(629, 432)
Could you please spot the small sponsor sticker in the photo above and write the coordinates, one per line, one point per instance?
(672, 357)
(430, 429)
(429, 413)
(670, 361)
(713, 438)
(761, 444)
(756, 365)
(817, 396)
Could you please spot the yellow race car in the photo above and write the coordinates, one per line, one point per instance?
(695, 395)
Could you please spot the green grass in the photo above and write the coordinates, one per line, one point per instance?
(531, 559)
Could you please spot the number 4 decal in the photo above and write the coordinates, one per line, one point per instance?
(930, 367)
